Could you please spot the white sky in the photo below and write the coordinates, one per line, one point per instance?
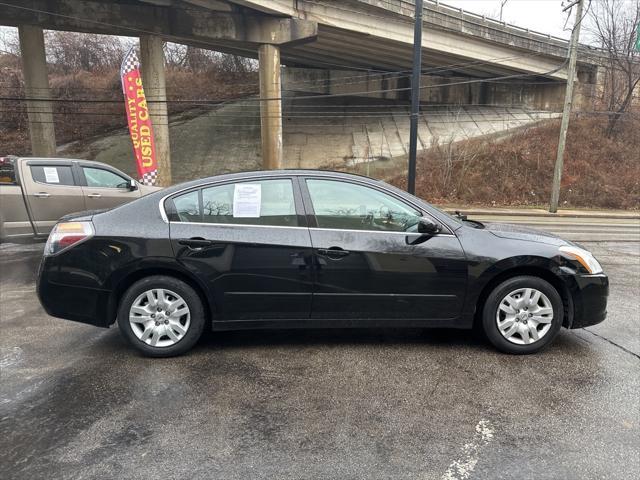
(543, 16)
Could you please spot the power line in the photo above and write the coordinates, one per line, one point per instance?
(330, 95)
(424, 116)
(381, 76)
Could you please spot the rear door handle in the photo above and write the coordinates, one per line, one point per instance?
(333, 252)
(94, 195)
(196, 242)
(42, 195)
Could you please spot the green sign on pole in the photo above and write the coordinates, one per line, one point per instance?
(638, 37)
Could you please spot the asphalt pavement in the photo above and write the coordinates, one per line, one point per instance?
(78, 402)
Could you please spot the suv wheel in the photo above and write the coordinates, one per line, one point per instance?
(522, 315)
(161, 316)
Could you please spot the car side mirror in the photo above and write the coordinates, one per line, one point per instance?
(132, 185)
(426, 226)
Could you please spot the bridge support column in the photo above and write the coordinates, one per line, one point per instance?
(153, 80)
(36, 83)
(270, 110)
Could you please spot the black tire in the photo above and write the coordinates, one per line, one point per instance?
(188, 294)
(490, 309)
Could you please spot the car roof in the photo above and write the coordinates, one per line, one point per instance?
(269, 173)
(62, 159)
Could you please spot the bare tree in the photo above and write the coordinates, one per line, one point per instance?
(72, 52)
(9, 41)
(613, 26)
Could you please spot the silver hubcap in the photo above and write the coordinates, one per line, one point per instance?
(159, 317)
(524, 316)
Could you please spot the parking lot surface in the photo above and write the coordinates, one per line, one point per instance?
(77, 402)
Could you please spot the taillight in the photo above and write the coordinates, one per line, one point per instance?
(67, 234)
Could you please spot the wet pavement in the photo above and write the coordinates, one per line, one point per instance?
(78, 402)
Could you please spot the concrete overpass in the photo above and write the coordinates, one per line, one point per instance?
(372, 37)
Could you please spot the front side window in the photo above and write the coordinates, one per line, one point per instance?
(260, 202)
(52, 175)
(100, 178)
(344, 205)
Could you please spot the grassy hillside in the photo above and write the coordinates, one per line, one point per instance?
(600, 171)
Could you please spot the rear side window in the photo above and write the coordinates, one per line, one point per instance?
(261, 202)
(7, 172)
(52, 174)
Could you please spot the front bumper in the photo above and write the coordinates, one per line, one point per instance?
(589, 300)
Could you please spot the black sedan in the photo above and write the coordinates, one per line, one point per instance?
(279, 249)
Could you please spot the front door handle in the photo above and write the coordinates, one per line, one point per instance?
(195, 243)
(333, 252)
(94, 195)
(42, 195)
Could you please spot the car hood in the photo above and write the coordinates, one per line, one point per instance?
(518, 232)
(147, 189)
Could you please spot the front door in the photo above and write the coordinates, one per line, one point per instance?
(250, 241)
(371, 262)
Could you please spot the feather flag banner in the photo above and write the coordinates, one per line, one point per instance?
(140, 126)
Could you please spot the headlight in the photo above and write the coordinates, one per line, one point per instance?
(586, 259)
(67, 234)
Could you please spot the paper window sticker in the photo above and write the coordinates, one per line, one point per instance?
(247, 200)
(51, 175)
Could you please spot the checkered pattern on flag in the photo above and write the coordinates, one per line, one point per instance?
(149, 178)
(129, 63)
(138, 118)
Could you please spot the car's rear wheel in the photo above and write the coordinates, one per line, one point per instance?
(161, 316)
(522, 315)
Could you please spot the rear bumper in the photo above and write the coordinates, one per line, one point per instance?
(72, 302)
(590, 300)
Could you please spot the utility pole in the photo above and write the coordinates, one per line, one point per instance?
(415, 98)
(502, 4)
(568, 102)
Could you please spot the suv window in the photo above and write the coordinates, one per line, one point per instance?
(52, 174)
(260, 202)
(99, 177)
(344, 205)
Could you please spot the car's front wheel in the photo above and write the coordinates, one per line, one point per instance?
(522, 315)
(161, 316)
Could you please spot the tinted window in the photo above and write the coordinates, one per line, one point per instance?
(345, 205)
(261, 202)
(98, 177)
(187, 207)
(52, 174)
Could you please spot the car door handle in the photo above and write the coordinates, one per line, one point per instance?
(196, 242)
(42, 195)
(333, 252)
(94, 195)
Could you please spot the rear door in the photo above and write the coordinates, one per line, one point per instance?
(370, 261)
(248, 240)
(104, 187)
(52, 190)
